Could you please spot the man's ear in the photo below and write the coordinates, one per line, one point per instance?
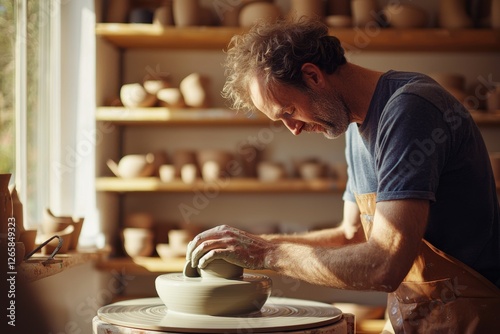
(312, 75)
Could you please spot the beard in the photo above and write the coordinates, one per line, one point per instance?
(330, 112)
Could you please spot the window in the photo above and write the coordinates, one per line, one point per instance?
(24, 99)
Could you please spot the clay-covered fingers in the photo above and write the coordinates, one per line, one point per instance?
(204, 242)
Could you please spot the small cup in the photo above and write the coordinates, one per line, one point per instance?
(189, 173)
(167, 173)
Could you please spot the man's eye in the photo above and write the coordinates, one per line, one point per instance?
(288, 113)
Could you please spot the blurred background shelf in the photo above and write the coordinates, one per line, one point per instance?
(232, 185)
(154, 36)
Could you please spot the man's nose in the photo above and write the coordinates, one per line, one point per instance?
(294, 126)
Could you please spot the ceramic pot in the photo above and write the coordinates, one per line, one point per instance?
(5, 207)
(249, 156)
(186, 12)
(256, 11)
(312, 170)
(178, 240)
(310, 8)
(452, 14)
(53, 224)
(153, 86)
(171, 98)
(495, 14)
(270, 171)
(194, 89)
(181, 158)
(363, 12)
(167, 173)
(135, 96)
(405, 16)
(493, 99)
(189, 173)
(164, 15)
(339, 7)
(214, 164)
(138, 241)
(66, 236)
(133, 165)
(17, 211)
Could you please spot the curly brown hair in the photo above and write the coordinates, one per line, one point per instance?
(276, 52)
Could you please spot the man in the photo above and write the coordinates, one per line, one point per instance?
(421, 215)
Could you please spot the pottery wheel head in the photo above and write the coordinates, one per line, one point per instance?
(215, 269)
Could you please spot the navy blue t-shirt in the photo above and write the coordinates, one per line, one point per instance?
(418, 142)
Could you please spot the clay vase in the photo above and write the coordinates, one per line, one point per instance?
(405, 16)
(186, 12)
(17, 211)
(363, 12)
(495, 14)
(310, 8)
(135, 96)
(194, 89)
(133, 165)
(5, 207)
(164, 15)
(256, 11)
(189, 173)
(453, 15)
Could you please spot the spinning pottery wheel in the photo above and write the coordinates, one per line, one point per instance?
(218, 301)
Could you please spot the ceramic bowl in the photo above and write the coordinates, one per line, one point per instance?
(270, 171)
(213, 296)
(138, 241)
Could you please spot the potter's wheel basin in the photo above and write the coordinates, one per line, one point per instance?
(213, 296)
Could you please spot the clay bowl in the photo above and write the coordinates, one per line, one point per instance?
(133, 165)
(52, 224)
(138, 241)
(270, 171)
(212, 295)
(66, 236)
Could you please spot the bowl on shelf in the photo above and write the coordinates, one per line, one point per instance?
(138, 242)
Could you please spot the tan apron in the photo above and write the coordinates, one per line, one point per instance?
(440, 294)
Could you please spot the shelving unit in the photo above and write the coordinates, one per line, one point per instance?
(442, 40)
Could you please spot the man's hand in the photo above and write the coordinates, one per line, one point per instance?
(231, 244)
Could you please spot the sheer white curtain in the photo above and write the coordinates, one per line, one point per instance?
(72, 176)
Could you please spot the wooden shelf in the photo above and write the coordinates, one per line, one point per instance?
(167, 116)
(235, 185)
(215, 116)
(217, 38)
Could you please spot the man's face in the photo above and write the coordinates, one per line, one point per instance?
(311, 111)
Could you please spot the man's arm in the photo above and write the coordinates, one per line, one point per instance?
(380, 263)
(349, 231)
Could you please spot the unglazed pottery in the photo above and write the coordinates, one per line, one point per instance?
(338, 21)
(153, 86)
(405, 16)
(171, 98)
(194, 89)
(221, 269)
(257, 11)
(213, 296)
(138, 241)
(133, 165)
(363, 12)
(167, 173)
(66, 236)
(214, 163)
(164, 15)
(53, 224)
(186, 12)
(268, 171)
(189, 173)
(182, 157)
(453, 14)
(312, 170)
(134, 95)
